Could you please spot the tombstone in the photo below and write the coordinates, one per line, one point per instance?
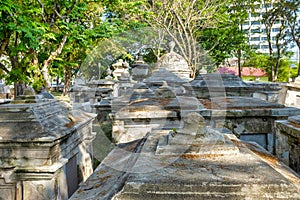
(161, 76)
(119, 67)
(139, 69)
(152, 104)
(124, 83)
(287, 142)
(46, 149)
(292, 93)
(184, 166)
(250, 119)
(217, 85)
(174, 63)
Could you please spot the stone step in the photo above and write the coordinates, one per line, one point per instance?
(211, 191)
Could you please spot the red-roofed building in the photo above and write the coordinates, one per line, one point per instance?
(246, 71)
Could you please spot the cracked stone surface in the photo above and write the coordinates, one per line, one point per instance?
(137, 172)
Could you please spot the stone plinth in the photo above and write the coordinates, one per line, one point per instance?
(133, 122)
(292, 94)
(288, 142)
(101, 84)
(221, 85)
(138, 170)
(45, 150)
(143, 109)
(250, 119)
(139, 69)
(85, 97)
(162, 75)
(120, 67)
(102, 108)
(174, 63)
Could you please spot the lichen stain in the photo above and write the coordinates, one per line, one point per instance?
(197, 156)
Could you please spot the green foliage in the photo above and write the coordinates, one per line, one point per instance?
(286, 71)
(253, 78)
(32, 31)
(222, 42)
(260, 60)
(257, 60)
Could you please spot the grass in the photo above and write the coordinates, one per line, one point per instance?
(59, 96)
(102, 144)
(252, 78)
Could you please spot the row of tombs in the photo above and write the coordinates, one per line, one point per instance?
(176, 139)
(153, 107)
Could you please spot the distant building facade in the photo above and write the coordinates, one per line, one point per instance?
(256, 31)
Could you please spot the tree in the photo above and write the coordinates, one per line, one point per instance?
(258, 60)
(291, 10)
(270, 17)
(262, 61)
(52, 38)
(184, 22)
(18, 39)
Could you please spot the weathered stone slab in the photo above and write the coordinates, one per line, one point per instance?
(40, 143)
(246, 174)
(220, 85)
(287, 142)
(242, 103)
(175, 64)
(159, 76)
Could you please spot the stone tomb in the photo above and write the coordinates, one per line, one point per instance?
(207, 86)
(147, 107)
(195, 163)
(89, 96)
(174, 63)
(288, 142)
(292, 93)
(45, 149)
(250, 119)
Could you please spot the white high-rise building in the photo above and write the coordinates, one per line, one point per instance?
(256, 30)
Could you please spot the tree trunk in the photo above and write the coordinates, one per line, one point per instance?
(67, 85)
(299, 63)
(239, 63)
(298, 44)
(46, 64)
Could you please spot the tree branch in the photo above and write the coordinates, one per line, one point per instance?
(53, 55)
(4, 68)
(43, 10)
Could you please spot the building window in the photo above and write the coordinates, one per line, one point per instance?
(255, 23)
(264, 46)
(257, 6)
(268, 5)
(255, 38)
(264, 38)
(276, 29)
(245, 31)
(255, 30)
(277, 21)
(263, 30)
